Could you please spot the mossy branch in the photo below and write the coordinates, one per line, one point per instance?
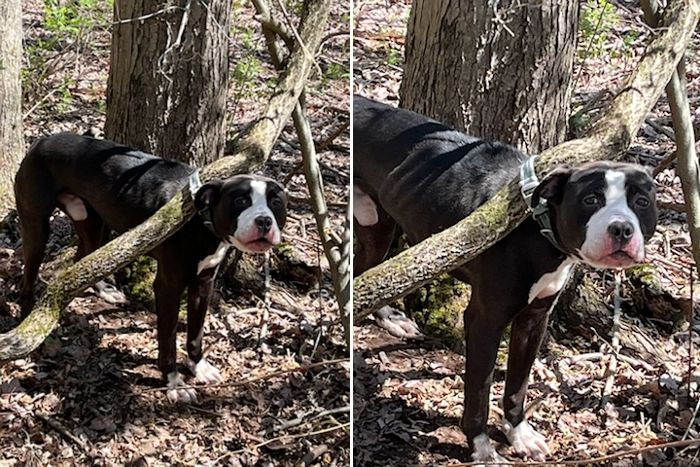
(611, 135)
(252, 151)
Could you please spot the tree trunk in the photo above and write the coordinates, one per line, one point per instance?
(499, 73)
(11, 136)
(168, 78)
(512, 68)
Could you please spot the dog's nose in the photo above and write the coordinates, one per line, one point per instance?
(621, 231)
(264, 223)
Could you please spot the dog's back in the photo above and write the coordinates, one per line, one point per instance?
(127, 180)
(414, 166)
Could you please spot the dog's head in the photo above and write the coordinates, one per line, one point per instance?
(247, 211)
(603, 212)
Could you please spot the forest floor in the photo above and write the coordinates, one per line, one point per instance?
(91, 394)
(408, 395)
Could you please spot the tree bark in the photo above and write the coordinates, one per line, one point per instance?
(499, 72)
(168, 79)
(610, 136)
(11, 135)
(251, 152)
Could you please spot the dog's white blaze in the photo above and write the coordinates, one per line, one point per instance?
(615, 209)
(552, 282)
(363, 208)
(213, 259)
(74, 206)
(247, 229)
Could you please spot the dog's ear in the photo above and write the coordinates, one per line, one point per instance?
(207, 195)
(283, 191)
(552, 187)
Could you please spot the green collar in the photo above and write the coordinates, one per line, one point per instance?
(528, 183)
(205, 214)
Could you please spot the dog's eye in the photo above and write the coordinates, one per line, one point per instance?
(241, 202)
(275, 202)
(591, 200)
(642, 202)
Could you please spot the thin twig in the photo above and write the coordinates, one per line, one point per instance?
(691, 319)
(309, 55)
(306, 419)
(145, 17)
(299, 369)
(591, 461)
(63, 430)
(590, 42)
(266, 301)
(695, 412)
(302, 435)
(614, 344)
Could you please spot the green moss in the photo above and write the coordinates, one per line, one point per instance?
(136, 280)
(439, 308)
(644, 274)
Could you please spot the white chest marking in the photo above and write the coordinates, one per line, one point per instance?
(213, 259)
(552, 282)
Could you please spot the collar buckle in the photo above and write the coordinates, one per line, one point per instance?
(540, 213)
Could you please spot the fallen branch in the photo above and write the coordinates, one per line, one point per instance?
(611, 135)
(251, 152)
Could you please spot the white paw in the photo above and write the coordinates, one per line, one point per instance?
(483, 451)
(396, 322)
(177, 393)
(526, 442)
(109, 293)
(205, 372)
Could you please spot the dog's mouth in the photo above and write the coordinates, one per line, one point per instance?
(619, 259)
(258, 245)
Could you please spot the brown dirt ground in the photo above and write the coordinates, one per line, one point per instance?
(408, 396)
(89, 395)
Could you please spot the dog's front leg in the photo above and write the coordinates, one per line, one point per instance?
(198, 297)
(168, 291)
(483, 330)
(527, 332)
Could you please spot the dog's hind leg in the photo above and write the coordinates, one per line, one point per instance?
(92, 234)
(376, 231)
(34, 212)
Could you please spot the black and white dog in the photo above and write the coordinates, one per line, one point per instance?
(101, 185)
(417, 175)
